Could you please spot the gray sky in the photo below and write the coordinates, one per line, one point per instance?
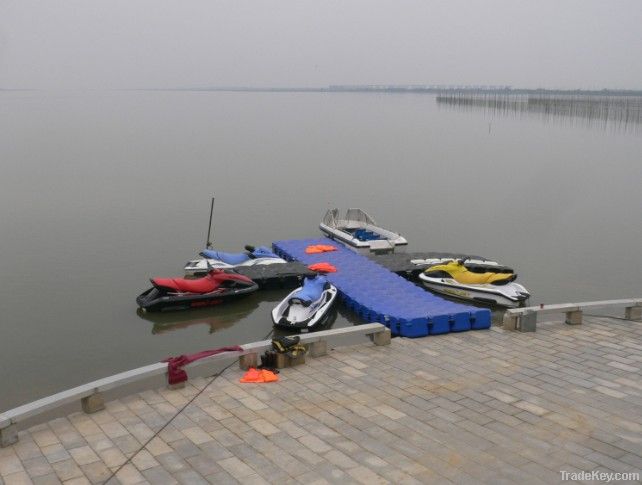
(161, 43)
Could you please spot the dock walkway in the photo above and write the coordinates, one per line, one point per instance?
(377, 294)
(475, 407)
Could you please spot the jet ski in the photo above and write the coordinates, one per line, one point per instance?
(306, 307)
(482, 281)
(221, 260)
(216, 287)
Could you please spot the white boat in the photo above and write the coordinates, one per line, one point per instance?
(360, 232)
(482, 281)
(306, 307)
(213, 259)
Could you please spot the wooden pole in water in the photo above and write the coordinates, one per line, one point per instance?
(208, 243)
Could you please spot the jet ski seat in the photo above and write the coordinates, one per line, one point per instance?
(311, 291)
(207, 284)
(229, 258)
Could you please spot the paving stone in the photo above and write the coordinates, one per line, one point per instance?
(96, 472)
(531, 408)
(51, 479)
(27, 449)
(172, 462)
(18, 478)
(67, 469)
(78, 481)
(128, 475)
(197, 435)
(185, 448)
(315, 444)
(159, 476)
(127, 444)
(55, 453)
(222, 478)
(190, 477)
(264, 427)
(143, 460)
(236, 467)
(83, 455)
(112, 457)
(10, 463)
(37, 467)
(478, 407)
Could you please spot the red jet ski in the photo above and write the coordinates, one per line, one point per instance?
(181, 294)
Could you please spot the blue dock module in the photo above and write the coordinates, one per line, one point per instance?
(379, 295)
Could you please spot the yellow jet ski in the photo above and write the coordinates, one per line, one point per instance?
(483, 281)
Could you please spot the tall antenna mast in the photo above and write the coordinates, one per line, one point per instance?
(208, 243)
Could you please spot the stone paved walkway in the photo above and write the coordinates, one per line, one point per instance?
(476, 407)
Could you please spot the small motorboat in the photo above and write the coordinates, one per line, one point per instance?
(307, 307)
(216, 287)
(482, 281)
(218, 259)
(361, 233)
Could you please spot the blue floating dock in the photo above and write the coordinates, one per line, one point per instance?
(379, 295)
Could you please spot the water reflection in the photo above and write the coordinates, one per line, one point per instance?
(618, 113)
(214, 318)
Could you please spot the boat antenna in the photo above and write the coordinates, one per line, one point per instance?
(208, 244)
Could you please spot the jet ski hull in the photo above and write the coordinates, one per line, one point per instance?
(294, 316)
(200, 267)
(159, 300)
(509, 295)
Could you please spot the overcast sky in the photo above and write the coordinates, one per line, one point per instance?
(182, 43)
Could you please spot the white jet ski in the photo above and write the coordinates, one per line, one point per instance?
(307, 307)
(213, 259)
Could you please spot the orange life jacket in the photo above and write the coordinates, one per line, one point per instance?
(259, 376)
(323, 267)
(319, 248)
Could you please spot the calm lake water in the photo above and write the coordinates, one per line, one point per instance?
(101, 190)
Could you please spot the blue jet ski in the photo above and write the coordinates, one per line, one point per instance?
(306, 307)
(213, 259)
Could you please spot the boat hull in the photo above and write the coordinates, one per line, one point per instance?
(156, 300)
(365, 247)
(200, 267)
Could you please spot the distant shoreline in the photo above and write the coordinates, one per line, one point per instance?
(427, 89)
(386, 89)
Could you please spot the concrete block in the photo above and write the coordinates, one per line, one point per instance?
(318, 348)
(8, 436)
(510, 321)
(381, 338)
(633, 313)
(283, 360)
(249, 360)
(528, 322)
(574, 317)
(93, 403)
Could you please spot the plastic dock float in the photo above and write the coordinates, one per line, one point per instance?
(401, 263)
(379, 295)
(287, 275)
